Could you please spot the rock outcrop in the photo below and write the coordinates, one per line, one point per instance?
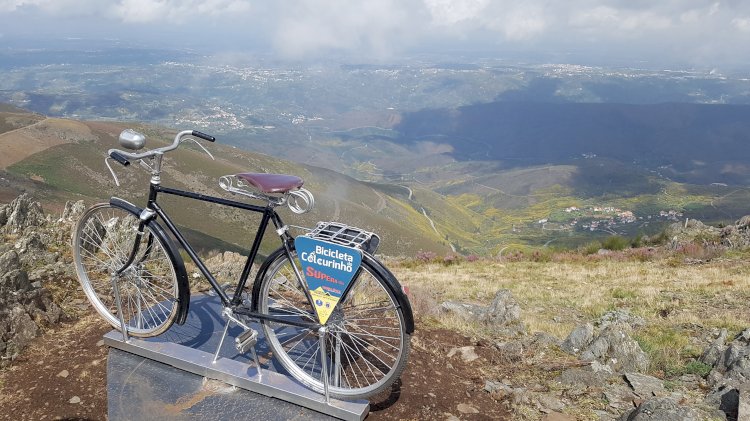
(612, 345)
(26, 265)
(693, 231)
(503, 315)
(668, 409)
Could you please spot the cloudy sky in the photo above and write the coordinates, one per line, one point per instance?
(702, 33)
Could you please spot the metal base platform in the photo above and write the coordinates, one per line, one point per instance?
(189, 348)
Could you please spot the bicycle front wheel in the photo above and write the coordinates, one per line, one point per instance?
(103, 240)
(367, 345)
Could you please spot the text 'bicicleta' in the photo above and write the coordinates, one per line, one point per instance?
(329, 258)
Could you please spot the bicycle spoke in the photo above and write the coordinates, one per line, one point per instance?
(367, 347)
(105, 237)
(365, 333)
(367, 363)
(357, 336)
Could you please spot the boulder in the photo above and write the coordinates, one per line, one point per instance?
(541, 341)
(9, 261)
(467, 353)
(645, 386)
(586, 377)
(72, 211)
(712, 354)
(25, 304)
(511, 351)
(619, 397)
(503, 310)
(726, 399)
(30, 243)
(578, 339)
(737, 235)
(21, 213)
(463, 310)
(226, 267)
(503, 315)
(22, 331)
(732, 367)
(666, 409)
(614, 347)
(620, 316)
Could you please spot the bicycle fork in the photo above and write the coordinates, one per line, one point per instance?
(116, 275)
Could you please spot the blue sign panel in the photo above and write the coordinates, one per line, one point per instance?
(328, 269)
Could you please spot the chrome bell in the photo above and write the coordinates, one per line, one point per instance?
(131, 139)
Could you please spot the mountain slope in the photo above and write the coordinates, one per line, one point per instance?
(472, 207)
(72, 167)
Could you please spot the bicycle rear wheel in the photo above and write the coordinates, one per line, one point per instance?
(367, 346)
(103, 240)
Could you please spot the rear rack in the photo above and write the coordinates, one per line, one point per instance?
(345, 235)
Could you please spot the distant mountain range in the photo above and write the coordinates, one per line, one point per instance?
(695, 143)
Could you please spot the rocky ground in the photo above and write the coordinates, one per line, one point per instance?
(54, 363)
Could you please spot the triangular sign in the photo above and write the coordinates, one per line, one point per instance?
(328, 269)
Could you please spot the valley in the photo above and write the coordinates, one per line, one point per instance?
(439, 156)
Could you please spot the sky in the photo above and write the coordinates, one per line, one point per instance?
(680, 33)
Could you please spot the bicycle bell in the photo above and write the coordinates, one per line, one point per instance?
(131, 139)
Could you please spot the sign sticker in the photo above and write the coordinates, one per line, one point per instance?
(328, 268)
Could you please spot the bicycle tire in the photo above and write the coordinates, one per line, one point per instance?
(102, 242)
(368, 330)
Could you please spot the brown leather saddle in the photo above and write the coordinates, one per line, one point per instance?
(272, 183)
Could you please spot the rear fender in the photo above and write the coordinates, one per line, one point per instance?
(396, 289)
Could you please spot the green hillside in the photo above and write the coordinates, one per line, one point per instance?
(471, 207)
(76, 170)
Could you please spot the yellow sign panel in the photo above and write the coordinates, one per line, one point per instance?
(324, 303)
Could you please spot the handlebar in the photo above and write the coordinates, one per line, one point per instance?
(203, 136)
(119, 158)
(158, 151)
(124, 158)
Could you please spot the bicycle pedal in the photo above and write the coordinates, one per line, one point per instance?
(246, 340)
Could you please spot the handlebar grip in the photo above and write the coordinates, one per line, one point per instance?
(119, 158)
(203, 136)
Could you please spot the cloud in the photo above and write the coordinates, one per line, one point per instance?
(177, 11)
(375, 28)
(522, 22)
(604, 18)
(62, 8)
(128, 11)
(680, 30)
(451, 12)
(743, 24)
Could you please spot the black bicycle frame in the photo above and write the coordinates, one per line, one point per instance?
(268, 215)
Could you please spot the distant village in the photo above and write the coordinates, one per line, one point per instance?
(597, 218)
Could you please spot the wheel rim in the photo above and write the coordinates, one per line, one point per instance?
(103, 241)
(366, 341)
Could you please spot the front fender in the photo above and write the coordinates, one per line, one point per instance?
(183, 286)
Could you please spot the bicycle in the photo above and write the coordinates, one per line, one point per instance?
(347, 337)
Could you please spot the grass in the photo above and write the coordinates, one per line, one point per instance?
(676, 301)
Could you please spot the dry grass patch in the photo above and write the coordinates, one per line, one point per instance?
(676, 301)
